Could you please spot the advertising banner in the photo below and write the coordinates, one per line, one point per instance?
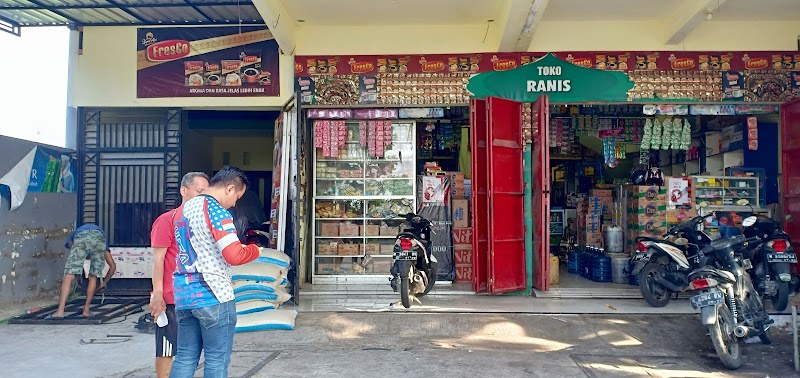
(42, 170)
(433, 204)
(206, 62)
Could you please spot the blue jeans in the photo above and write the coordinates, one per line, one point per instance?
(207, 329)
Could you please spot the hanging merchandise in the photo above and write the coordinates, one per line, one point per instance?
(644, 157)
(666, 134)
(655, 140)
(648, 135)
(686, 137)
(677, 134)
(610, 151)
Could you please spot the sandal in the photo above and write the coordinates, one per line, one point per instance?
(91, 314)
(51, 317)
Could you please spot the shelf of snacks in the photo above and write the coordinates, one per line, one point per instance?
(364, 184)
(725, 190)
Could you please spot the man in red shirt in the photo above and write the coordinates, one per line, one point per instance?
(165, 250)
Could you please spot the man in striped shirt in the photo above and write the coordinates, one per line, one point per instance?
(204, 301)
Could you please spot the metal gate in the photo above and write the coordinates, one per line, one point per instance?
(129, 164)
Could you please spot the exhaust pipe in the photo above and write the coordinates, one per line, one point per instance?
(743, 331)
(669, 285)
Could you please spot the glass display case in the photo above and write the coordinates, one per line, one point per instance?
(364, 182)
(726, 190)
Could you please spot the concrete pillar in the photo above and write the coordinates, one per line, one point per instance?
(71, 140)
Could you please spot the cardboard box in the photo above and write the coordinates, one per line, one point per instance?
(349, 249)
(389, 231)
(329, 229)
(463, 257)
(370, 230)
(647, 193)
(372, 249)
(462, 236)
(386, 249)
(328, 248)
(382, 265)
(326, 268)
(348, 229)
(602, 193)
(676, 216)
(464, 273)
(461, 213)
(458, 193)
(456, 176)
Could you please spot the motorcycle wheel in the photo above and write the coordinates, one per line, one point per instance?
(405, 290)
(431, 273)
(654, 294)
(726, 344)
(404, 295)
(781, 299)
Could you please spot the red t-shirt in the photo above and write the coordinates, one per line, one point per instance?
(163, 235)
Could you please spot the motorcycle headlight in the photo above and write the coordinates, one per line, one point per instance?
(785, 277)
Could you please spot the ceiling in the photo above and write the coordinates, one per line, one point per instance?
(394, 12)
(749, 10)
(128, 12)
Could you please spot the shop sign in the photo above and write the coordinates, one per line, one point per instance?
(665, 109)
(712, 110)
(207, 62)
(560, 80)
(421, 113)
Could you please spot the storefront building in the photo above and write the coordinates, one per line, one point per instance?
(362, 109)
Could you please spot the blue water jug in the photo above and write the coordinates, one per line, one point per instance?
(601, 267)
(574, 260)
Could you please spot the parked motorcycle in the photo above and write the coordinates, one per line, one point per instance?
(663, 266)
(771, 258)
(414, 269)
(729, 305)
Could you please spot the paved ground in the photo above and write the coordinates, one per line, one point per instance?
(412, 345)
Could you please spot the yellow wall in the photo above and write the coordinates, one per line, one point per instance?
(106, 75)
(550, 36)
(260, 149)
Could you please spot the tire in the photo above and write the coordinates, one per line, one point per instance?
(404, 296)
(727, 345)
(654, 294)
(781, 299)
(431, 280)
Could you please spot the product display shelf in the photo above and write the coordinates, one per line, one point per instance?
(726, 190)
(359, 201)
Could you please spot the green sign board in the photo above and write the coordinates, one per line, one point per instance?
(561, 81)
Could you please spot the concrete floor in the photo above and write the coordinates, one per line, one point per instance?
(412, 345)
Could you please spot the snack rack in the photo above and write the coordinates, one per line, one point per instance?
(363, 184)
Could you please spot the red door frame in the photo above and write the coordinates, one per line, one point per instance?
(506, 226)
(479, 133)
(790, 173)
(540, 170)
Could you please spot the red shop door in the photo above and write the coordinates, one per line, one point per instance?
(790, 151)
(480, 183)
(506, 227)
(540, 170)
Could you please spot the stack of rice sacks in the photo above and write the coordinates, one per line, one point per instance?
(261, 287)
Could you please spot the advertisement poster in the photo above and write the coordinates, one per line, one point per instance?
(277, 165)
(752, 133)
(433, 204)
(679, 192)
(368, 89)
(733, 86)
(206, 62)
(42, 170)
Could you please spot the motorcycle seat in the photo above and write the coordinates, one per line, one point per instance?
(722, 275)
(725, 243)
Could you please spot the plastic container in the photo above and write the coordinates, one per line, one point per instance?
(574, 260)
(619, 265)
(601, 268)
(614, 239)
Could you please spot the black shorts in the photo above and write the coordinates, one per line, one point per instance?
(167, 337)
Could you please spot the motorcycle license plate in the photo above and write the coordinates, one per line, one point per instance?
(707, 299)
(641, 256)
(782, 257)
(405, 255)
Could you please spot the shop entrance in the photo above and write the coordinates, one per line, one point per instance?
(504, 171)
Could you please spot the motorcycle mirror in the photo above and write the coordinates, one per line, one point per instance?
(681, 241)
(709, 219)
(749, 221)
(702, 205)
(788, 218)
(742, 202)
